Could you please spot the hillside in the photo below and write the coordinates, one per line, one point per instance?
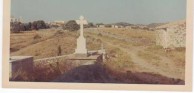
(180, 23)
(154, 25)
(122, 24)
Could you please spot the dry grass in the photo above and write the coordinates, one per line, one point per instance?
(134, 37)
(119, 50)
(177, 55)
(42, 44)
(171, 62)
(132, 33)
(46, 46)
(93, 43)
(150, 57)
(119, 60)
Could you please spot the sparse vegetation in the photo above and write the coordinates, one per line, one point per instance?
(119, 60)
(131, 50)
(150, 57)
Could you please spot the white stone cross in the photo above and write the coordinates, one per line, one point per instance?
(81, 41)
(81, 22)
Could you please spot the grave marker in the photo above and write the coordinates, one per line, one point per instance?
(81, 41)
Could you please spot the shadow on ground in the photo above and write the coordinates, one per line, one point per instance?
(101, 74)
(95, 73)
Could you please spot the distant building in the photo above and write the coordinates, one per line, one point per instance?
(114, 26)
(57, 23)
(117, 26)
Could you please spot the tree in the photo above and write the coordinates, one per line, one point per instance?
(34, 25)
(22, 27)
(28, 26)
(15, 27)
(71, 26)
(89, 25)
(41, 24)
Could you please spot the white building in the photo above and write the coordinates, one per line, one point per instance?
(101, 26)
(117, 26)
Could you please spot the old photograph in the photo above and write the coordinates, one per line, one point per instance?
(98, 41)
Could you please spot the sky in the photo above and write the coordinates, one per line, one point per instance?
(97, 11)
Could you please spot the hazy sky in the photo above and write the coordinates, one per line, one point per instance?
(106, 11)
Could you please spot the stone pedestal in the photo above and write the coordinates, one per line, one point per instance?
(81, 46)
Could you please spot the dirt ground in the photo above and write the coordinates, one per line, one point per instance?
(129, 51)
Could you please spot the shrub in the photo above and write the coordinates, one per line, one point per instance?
(71, 26)
(37, 36)
(59, 51)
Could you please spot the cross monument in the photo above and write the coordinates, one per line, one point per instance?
(81, 41)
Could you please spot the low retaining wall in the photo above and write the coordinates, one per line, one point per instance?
(50, 60)
(48, 69)
(20, 65)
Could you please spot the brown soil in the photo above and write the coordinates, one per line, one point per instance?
(102, 74)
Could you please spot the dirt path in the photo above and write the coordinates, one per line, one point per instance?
(146, 66)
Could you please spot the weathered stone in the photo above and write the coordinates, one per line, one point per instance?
(81, 41)
(171, 37)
